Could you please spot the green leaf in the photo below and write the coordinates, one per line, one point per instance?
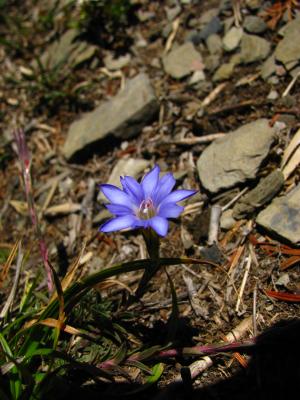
(157, 371)
(15, 383)
(173, 320)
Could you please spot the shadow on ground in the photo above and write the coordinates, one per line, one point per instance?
(273, 373)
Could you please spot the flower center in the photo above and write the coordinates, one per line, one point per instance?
(146, 210)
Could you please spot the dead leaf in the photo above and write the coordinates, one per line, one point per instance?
(62, 209)
(290, 297)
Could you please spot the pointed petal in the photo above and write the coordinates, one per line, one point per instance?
(160, 225)
(116, 195)
(178, 195)
(116, 224)
(164, 187)
(118, 209)
(150, 181)
(170, 210)
(133, 189)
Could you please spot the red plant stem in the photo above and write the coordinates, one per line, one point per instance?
(186, 351)
(25, 162)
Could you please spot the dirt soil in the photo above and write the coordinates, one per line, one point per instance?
(214, 298)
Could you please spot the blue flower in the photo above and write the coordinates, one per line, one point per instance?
(144, 205)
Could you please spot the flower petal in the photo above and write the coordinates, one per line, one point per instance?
(118, 209)
(116, 195)
(133, 189)
(160, 225)
(164, 187)
(178, 195)
(170, 210)
(150, 181)
(116, 224)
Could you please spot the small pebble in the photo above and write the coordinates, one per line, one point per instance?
(273, 95)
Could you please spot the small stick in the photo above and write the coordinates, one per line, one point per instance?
(193, 297)
(236, 5)
(170, 40)
(254, 310)
(242, 288)
(87, 203)
(49, 198)
(213, 94)
(290, 85)
(192, 208)
(232, 201)
(190, 141)
(214, 223)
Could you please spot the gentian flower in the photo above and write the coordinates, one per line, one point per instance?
(144, 205)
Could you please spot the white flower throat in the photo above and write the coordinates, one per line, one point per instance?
(146, 209)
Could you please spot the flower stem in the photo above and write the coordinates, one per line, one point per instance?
(152, 243)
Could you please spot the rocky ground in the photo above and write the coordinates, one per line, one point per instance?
(208, 90)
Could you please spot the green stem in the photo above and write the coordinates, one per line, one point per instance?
(152, 243)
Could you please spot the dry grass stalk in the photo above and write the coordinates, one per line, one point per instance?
(13, 291)
(171, 38)
(243, 284)
(193, 297)
(213, 94)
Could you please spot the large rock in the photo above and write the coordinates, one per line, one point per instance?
(282, 216)
(183, 60)
(288, 49)
(235, 157)
(123, 116)
(254, 48)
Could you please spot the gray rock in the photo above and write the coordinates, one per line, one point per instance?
(173, 12)
(144, 16)
(254, 4)
(227, 221)
(288, 49)
(268, 68)
(212, 62)
(232, 38)
(214, 44)
(236, 157)
(282, 216)
(214, 26)
(283, 280)
(254, 48)
(207, 16)
(127, 166)
(123, 116)
(224, 72)
(254, 24)
(183, 60)
(273, 95)
(197, 77)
